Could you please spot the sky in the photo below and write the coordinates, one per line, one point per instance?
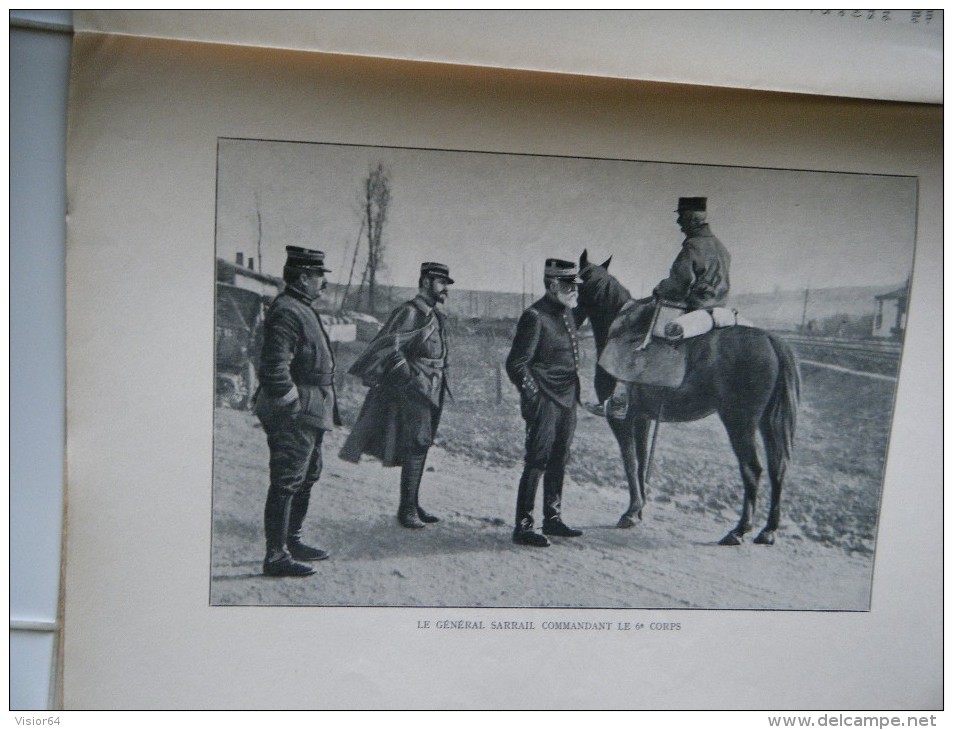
(495, 218)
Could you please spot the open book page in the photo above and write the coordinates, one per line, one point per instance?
(184, 155)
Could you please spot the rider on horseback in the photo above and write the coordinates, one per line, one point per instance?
(698, 278)
(699, 275)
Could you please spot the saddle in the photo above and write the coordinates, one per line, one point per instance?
(646, 341)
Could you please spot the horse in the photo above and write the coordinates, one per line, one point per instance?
(746, 375)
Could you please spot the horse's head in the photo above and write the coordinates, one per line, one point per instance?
(600, 294)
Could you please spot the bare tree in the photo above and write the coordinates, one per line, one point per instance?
(376, 200)
(350, 276)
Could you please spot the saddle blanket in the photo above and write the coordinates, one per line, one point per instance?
(660, 363)
(659, 360)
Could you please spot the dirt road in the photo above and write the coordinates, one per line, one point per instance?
(672, 560)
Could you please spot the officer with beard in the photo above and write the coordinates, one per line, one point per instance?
(405, 368)
(544, 364)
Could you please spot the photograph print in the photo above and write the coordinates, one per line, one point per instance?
(483, 380)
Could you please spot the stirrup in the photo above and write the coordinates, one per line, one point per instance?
(617, 408)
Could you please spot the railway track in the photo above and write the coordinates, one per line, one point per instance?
(863, 356)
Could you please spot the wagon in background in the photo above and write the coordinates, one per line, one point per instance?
(239, 319)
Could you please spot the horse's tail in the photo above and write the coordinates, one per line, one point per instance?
(780, 418)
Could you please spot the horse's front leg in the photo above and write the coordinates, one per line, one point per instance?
(742, 436)
(632, 435)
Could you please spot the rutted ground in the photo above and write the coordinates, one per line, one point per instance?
(823, 558)
(671, 560)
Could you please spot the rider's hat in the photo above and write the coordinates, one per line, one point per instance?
(692, 204)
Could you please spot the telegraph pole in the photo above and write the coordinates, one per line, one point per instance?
(523, 290)
(807, 295)
(261, 264)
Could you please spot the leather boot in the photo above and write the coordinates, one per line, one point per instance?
(523, 533)
(423, 514)
(297, 549)
(617, 407)
(278, 562)
(552, 507)
(410, 475)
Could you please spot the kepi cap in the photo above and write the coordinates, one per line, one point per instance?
(564, 270)
(305, 258)
(692, 204)
(432, 268)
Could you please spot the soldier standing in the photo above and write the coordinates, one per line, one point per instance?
(296, 404)
(405, 367)
(544, 364)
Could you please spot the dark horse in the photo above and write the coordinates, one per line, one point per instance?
(747, 376)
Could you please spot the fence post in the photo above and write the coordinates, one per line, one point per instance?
(499, 384)
(338, 372)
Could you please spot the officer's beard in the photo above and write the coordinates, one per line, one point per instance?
(568, 299)
(434, 296)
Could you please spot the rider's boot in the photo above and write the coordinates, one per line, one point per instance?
(617, 407)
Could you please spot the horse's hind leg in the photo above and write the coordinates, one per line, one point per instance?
(743, 441)
(777, 467)
(632, 435)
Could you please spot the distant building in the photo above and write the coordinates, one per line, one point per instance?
(245, 277)
(890, 319)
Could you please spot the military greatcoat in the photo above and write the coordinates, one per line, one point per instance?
(405, 367)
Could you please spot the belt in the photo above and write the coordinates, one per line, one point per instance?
(431, 362)
(316, 379)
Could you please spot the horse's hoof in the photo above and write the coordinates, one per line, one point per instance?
(765, 538)
(625, 522)
(732, 538)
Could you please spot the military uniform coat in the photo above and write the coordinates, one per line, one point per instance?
(296, 371)
(699, 274)
(544, 356)
(405, 367)
(544, 364)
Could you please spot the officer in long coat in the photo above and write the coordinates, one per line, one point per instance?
(543, 363)
(405, 367)
(296, 405)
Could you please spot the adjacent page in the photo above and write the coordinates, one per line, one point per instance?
(871, 54)
(192, 167)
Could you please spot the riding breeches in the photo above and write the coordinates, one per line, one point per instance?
(295, 462)
(550, 428)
